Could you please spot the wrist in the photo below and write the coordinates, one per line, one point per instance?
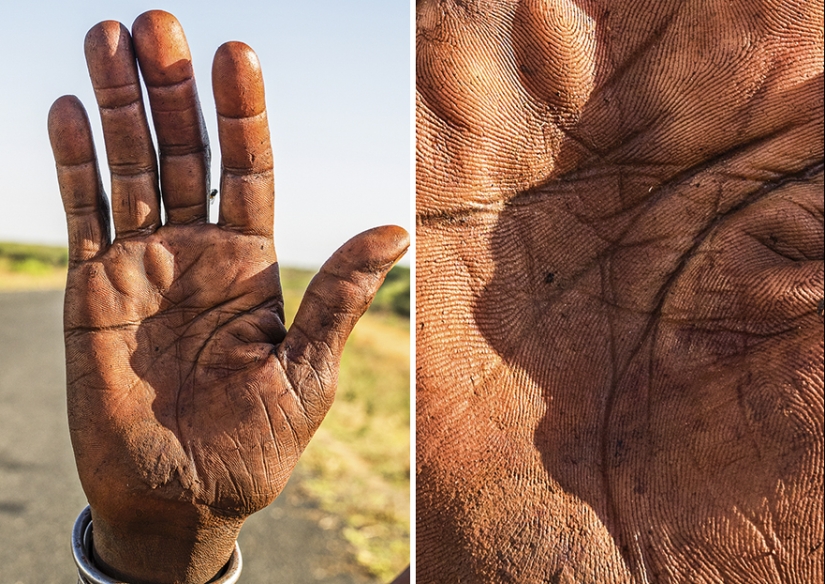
(140, 569)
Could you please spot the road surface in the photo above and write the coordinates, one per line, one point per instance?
(40, 494)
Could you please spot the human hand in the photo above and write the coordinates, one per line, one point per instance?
(189, 402)
(620, 282)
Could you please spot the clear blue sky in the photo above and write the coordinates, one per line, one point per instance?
(337, 76)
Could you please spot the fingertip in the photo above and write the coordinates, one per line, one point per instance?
(161, 48)
(104, 35)
(237, 81)
(64, 107)
(396, 236)
(109, 55)
(70, 132)
(377, 249)
(155, 18)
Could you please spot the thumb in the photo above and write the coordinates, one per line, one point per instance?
(334, 301)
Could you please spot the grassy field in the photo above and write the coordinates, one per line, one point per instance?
(357, 467)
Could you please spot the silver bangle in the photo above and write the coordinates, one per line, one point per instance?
(89, 573)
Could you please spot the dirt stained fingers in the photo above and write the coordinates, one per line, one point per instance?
(247, 182)
(335, 299)
(166, 66)
(129, 149)
(87, 211)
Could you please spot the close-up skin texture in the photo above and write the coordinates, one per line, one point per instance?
(619, 262)
(189, 402)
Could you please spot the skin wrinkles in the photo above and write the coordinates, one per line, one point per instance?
(616, 381)
(189, 402)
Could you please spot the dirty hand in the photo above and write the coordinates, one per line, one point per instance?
(620, 279)
(189, 402)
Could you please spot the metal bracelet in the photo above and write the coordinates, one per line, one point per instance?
(89, 573)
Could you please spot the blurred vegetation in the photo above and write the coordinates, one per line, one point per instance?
(20, 254)
(26, 266)
(394, 294)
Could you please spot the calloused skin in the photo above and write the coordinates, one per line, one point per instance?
(619, 291)
(189, 402)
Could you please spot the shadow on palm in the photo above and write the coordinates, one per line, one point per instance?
(205, 356)
(660, 291)
(619, 263)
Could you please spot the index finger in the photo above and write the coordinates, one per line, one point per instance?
(247, 183)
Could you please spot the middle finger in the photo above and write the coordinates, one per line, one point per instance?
(166, 65)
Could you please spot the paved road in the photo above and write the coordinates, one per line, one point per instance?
(40, 493)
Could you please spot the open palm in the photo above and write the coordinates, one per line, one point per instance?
(619, 266)
(189, 402)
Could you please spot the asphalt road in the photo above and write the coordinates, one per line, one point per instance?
(291, 541)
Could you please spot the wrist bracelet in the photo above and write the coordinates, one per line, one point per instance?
(89, 573)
